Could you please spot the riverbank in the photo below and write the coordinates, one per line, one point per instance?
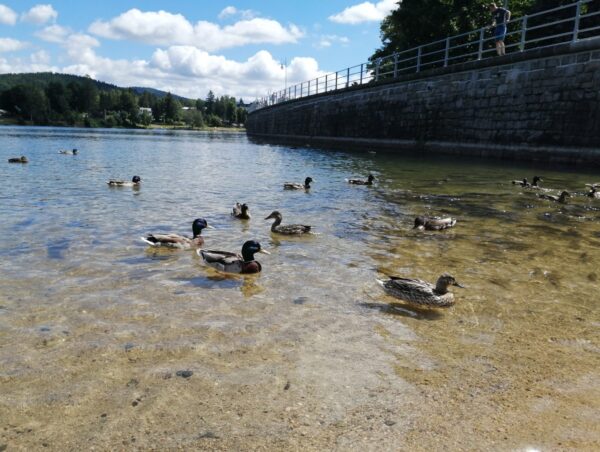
(4, 121)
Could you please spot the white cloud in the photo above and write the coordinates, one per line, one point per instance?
(40, 57)
(40, 14)
(7, 15)
(228, 11)
(166, 29)
(365, 12)
(328, 40)
(11, 45)
(233, 11)
(53, 33)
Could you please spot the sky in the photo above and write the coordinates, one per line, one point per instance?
(240, 48)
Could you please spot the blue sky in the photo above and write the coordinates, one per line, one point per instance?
(190, 47)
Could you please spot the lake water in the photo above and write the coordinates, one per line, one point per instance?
(311, 353)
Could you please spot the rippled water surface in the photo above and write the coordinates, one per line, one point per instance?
(94, 326)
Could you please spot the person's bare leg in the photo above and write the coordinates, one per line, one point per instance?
(499, 48)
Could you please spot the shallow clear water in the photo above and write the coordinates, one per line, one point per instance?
(310, 353)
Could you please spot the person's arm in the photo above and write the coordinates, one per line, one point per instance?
(507, 15)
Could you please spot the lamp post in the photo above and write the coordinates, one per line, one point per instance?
(284, 67)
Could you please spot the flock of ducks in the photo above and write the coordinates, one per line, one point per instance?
(412, 291)
(415, 292)
(560, 197)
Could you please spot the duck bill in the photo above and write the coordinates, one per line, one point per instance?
(208, 226)
(269, 217)
(263, 251)
(459, 285)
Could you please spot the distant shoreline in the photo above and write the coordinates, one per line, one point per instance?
(14, 122)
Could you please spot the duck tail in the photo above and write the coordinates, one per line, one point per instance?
(150, 240)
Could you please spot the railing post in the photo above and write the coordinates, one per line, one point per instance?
(447, 52)
(326, 82)
(317, 85)
(577, 18)
(308, 88)
(361, 72)
(336, 80)
(377, 64)
(419, 50)
(347, 77)
(481, 36)
(395, 65)
(295, 91)
(523, 32)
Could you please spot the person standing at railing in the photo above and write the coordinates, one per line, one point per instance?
(501, 17)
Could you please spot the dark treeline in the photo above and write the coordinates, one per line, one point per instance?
(58, 99)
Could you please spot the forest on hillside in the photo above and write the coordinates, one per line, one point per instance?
(60, 99)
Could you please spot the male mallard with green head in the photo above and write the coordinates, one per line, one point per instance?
(241, 211)
(21, 159)
(434, 223)
(288, 229)
(421, 293)
(179, 241)
(369, 181)
(297, 186)
(227, 262)
(135, 182)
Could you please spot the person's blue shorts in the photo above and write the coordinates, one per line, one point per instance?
(500, 32)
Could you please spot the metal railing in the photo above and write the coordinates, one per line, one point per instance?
(564, 24)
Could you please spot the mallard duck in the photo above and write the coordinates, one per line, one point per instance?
(593, 193)
(525, 183)
(21, 159)
(562, 198)
(434, 223)
(180, 241)
(135, 181)
(241, 211)
(297, 186)
(534, 183)
(288, 229)
(225, 261)
(421, 293)
(369, 181)
(67, 152)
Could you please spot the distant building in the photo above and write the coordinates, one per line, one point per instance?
(146, 110)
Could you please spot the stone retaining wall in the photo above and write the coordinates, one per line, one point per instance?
(542, 104)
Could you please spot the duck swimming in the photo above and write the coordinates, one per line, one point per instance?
(562, 198)
(241, 211)
(593, 193)
(67, 152)
(434, 223)
(227, 262)
(297, 186)
(525, 183)
(179, 241)
(369, 181)
(21, 159)
(288, 229)
(421, 293)
(135, 182)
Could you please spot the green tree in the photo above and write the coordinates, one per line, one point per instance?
(419, 22)
(210, 103)
(171, 108)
